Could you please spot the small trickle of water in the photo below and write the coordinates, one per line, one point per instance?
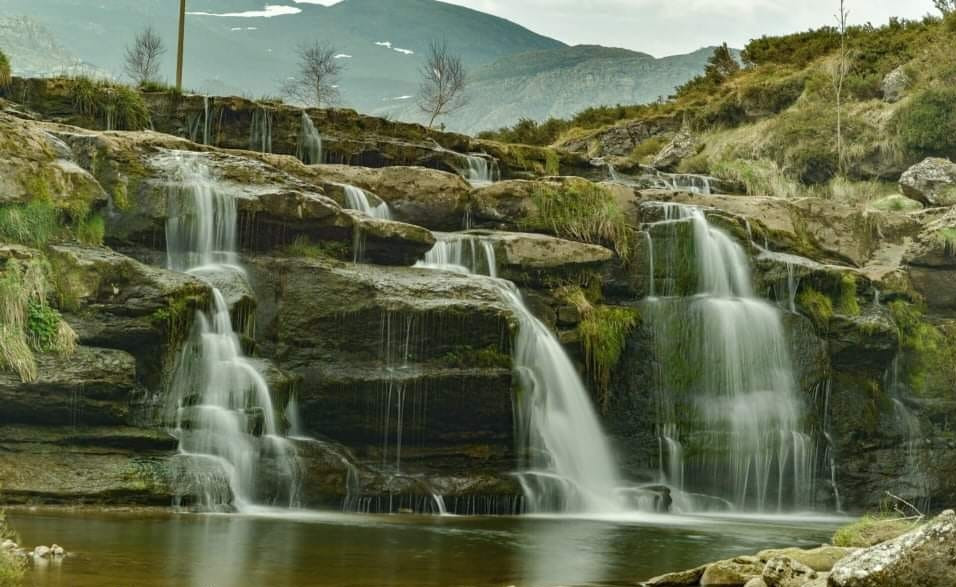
(358, 199)
(568, 465)
(260, 130)
(481, 170)
(309, 149)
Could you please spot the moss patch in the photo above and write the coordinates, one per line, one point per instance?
(929, 351)
(817, 306)
(604, 331)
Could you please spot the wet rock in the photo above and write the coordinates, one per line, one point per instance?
(895, 84)
(732, 572)
(41, 552)
(57, 551)
(756, 582)
(782, 571)
(689, 578)
(924, 557)
(819, 559)
(506, 203)
(931, 182)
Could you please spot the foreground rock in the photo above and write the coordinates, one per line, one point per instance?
(925, 557)
(931, 182)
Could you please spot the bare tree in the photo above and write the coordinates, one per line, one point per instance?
(443, 83)
(316, 81)
(839, 74)
(143, 56)
(945, 6)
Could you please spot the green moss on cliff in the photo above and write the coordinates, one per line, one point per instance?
(114, 106)
(817, 306)
(872, 529)
(604, 331)
(5, 74)
(929, 351)
(848, 302)
(486, 358)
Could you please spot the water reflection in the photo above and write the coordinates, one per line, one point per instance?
(283, 548)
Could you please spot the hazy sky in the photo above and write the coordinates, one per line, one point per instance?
(664, 27)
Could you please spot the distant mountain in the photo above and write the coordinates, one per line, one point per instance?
(34, 49)
(561, 82)
(514, 72)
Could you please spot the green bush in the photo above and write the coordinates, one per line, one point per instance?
(772, 96)
(5, 74)
(927, 124)
(864, 87)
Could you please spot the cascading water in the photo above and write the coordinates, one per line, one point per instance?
(481, 170)
(309, 148)
(908, 426)
(568, 464)
(358, 199)
(220, 404)
(730, 419)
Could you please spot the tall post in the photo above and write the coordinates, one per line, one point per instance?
(179, 52)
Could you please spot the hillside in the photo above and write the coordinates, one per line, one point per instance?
(561, 82)
(773, 124)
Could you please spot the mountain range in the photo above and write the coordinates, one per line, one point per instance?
(232, 48)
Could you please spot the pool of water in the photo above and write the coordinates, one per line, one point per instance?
(281, 548)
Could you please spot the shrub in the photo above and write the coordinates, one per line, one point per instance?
(927, 124)
(5, 74)
(648, 148)
(772, 96)
(118, 107)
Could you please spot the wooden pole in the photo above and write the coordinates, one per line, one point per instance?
(179, 52)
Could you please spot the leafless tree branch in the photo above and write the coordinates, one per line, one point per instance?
(316, 80)
(143, 56)
(443, 83)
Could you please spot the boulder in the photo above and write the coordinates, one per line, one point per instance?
(732, 572)
(783, 571)
(924, 557)
(621, 139)
(682, 146)
(756, 582)
(931, 182)
(895, 84)
(819, 559)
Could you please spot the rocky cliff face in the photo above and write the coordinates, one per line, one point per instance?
(401, 375)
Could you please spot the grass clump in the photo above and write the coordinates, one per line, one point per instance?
(302, 246)
(116, 106)
(34, 223)
(27, 323)
(817, 306)
(872, 529)
(645, 151)
(582, 211)
(6, 76)
(11, 567)
(91, 230)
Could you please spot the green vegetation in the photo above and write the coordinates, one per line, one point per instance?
(5, 75)
(720, 67)
(848, 302)
(115, 106)
(27, 323)
(303, 246)
(927, 124)
(91, 230)
(470, 358)
(11, 567)
(872, 529)
(583, 211)
(818, 307)
(604, 331)
(34, 223)
(929, 351)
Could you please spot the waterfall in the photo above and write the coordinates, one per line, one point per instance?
(309, 149)
(221, 405)
(260, 130)
(481, 170)
(568, 465)
(909, 428)
(726, 393)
